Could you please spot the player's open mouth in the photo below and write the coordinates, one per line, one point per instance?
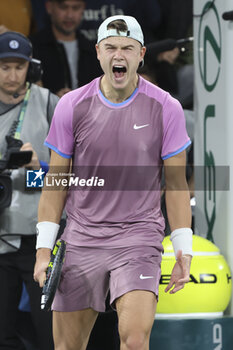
(119, 71)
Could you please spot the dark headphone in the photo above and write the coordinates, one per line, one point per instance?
(34, 71)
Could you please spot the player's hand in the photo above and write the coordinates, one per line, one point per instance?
(180, 273)
(34, 163)
(42, 262)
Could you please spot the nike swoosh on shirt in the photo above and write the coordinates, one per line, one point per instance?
(136, 127)
(145, 277)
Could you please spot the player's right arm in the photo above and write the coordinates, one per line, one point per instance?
(51, 206)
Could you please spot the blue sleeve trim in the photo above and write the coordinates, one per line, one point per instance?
(178, 151)
(57, 151)
(44, 166)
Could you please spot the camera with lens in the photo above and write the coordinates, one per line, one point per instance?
(13, 159)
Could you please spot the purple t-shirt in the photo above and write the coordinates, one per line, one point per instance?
(126, 142)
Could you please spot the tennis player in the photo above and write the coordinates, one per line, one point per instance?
(114, 237)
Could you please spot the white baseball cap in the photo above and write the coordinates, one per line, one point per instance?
(134, 29)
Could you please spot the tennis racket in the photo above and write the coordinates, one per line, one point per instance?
(53, 275)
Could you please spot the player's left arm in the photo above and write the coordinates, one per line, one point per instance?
(179, 217)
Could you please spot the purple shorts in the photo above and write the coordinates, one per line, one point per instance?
(89, 273)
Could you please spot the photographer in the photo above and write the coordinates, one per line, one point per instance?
(25, 114)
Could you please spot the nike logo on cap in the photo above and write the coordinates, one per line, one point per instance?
(136, 127)
(145, 277)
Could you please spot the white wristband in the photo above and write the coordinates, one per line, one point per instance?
(182, 240)
(46, 234)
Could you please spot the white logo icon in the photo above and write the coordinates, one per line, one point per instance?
(35, 178)
(14, 44)
(140, 126)
(145, 277)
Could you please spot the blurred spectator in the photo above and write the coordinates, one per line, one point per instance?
(147, 13)
(25, 114)
(68, 59)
